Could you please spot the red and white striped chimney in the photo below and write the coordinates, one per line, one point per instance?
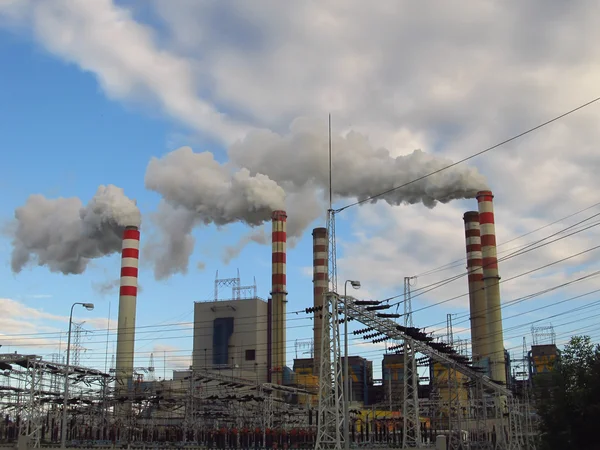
(320, 288)
(477, 300)
(278, 294)
(491, 280)
(127, 308)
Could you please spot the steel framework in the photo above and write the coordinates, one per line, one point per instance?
(331, 398)
(411, 433)
(494, 396)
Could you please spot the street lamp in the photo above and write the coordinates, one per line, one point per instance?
(63, 434)
(356, 285)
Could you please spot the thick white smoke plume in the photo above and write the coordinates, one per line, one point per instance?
(64, 235)
(268, 171)
(196, 189)
(198, 183)
(359, 171)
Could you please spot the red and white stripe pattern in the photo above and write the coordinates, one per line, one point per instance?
(129, 262)
(491, 279)
(278, 295)
(127, 307)
(473, 240)
(477, 298)
(320, 287)
(279, 240)
(488, 233)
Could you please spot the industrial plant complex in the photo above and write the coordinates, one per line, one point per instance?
(241, 392)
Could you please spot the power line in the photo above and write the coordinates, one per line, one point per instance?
(437, 285)
(33, 336)
(521, 251)
(532, 296)
(460, 262)
(537, 127)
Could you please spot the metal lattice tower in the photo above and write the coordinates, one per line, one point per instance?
(455, 412)
(226, 282)
(151, 376)
(499, 393)
(542, 334)
(31, 412)
(528, 431)
(244, 292)
(76, 347)
(479, 409)
(411, 435)
(515, 423)
(331, 397)
(332, 257)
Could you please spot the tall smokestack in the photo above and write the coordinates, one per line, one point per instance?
(320, 287)
(477, 300)
(127, 306)
(278, 294)
(491, 281)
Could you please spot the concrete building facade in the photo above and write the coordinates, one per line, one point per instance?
(231, 336)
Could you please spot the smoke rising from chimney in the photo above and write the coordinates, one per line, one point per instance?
(266, 171)
(65, 235)
(196, 189)
(359, 170)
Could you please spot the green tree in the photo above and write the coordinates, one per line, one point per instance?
(568, 401)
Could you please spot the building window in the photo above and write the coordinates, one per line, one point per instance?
(250, 355)
(222, 331)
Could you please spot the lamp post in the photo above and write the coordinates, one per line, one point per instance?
(63, 434)
(356, 285)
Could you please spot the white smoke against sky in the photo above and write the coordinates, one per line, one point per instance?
(65, 235)
(359, 170)
(268, 171)
(197, 190)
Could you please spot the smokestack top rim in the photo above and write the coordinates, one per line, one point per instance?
(279, 215)
(319, 231)
(487, 193)
(132, 227)
(471, 215)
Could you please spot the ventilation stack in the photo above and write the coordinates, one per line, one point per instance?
(491, 281)
(477, 300)
(278, 296)
(127, 307)
(320, 287)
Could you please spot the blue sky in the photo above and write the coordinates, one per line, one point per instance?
(79, 113)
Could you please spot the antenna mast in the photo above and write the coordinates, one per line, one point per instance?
(331, 397)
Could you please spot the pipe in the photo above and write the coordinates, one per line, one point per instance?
(477, 300)
(279, 293)
(491, 281)
(127, 309)
(320, 287)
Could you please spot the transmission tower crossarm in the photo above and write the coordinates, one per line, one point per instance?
(390, 328)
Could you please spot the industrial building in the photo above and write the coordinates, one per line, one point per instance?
(360, 372)
(231, 335)
(542, 359)
(239, 390)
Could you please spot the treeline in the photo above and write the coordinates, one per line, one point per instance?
(568, 399)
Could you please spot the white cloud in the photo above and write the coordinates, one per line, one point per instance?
(451, 80)
(25, 328)
(124, 55)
